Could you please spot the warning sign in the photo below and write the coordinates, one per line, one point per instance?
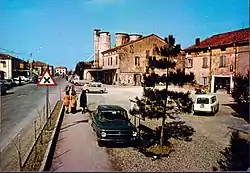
(47, 79)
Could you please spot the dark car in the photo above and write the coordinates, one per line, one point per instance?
(3, 88)
(111, 124)
(11, 82)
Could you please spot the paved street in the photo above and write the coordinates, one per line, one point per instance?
(19, 107)
(81, 153)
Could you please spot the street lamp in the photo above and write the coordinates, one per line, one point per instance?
(235, 64)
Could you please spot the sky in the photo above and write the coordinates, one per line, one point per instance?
(60, 32)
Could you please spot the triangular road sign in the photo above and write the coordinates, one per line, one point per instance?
(47, 79)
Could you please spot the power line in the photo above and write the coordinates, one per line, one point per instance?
(12, 52)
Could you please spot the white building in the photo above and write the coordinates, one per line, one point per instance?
(11, 67)
(61, 70)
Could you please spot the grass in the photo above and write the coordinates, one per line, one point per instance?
(37, 154)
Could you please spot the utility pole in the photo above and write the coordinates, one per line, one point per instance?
(31, 63)
(210, 69)
(235, 59)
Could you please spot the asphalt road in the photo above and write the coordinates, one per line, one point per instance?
(19, 107)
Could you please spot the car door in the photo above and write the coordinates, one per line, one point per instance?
(94, 120)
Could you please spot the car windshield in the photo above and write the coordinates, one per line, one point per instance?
(202, 101)
(113, 115)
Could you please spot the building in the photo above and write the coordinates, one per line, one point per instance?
(215, 60)
(37, 67)
(11, 67)
(126, 62)
(61, 70)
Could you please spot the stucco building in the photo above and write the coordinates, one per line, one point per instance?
(11, 67)
(61, 70)
(38, 67)
(126, 62)
(215, 60)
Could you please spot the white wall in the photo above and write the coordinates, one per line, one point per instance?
(7, 69)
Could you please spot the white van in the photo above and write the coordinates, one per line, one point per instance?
(207, 103)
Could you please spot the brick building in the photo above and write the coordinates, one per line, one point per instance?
(126, 62)
(216, 60)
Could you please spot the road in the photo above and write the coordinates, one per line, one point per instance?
(19, 107)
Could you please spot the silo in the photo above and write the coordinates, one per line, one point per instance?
(121, 38)
(96, 46)
(104, 43)
(133, 37)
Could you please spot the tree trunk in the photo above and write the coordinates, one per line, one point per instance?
(165, 111)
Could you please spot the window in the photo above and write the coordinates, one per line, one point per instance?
(131, 49)
(213, 99)
(204, 80)
(116, 77)
(116, 60)
(137, 61)
(4, 64)
(108, 60)
(202, 101)
(204, 64)
(111, 60)
(222, 61)
(103, 61)
(189, 63)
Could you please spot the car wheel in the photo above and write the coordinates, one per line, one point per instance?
(194, 113)
(100, 143)
(102, 91)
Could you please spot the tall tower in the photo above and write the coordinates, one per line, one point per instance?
(104, 44)
(96, 46)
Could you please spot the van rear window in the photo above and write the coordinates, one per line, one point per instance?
(202, 101)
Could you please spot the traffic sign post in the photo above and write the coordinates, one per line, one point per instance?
(47, 80)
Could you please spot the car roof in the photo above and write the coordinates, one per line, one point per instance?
(110, 107)
(209, 95)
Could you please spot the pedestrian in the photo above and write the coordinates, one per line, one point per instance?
(66, 101)
(73, 102)
(83, 101)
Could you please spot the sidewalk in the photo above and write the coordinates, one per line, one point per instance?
(77, 149)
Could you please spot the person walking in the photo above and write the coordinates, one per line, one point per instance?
(83, 101)
(66, 101)
(73, 102)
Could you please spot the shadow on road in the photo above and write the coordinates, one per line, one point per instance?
(241, 110)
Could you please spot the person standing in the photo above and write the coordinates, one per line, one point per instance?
(83, 101)
(66, 101)
(73, 102)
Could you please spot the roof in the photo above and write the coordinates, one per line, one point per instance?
(208, 95)
(110, 107)
(38, 63)
(134, 41)
(223, 39)
(60, 67)
(5, 56)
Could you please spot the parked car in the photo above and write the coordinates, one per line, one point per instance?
(111, 124)
(95, 87)
(207, 103)
(6, 83)
(11, 82)
(3, 88)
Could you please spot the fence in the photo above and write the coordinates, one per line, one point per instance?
(14, 155)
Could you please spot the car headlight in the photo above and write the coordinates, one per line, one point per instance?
(103, 134)
(134, 133)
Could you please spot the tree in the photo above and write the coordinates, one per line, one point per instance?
(241, 89)
(163, 103)
(80, 67)
(236, 155)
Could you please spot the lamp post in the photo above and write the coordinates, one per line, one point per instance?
(235, 63)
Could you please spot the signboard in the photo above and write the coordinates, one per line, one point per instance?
(47, 79)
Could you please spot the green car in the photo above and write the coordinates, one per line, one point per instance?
(111, 124)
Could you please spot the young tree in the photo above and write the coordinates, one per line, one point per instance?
(163, 103)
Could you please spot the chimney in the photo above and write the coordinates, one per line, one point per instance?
(197, 41)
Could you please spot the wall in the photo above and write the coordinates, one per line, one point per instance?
(244, 59)
(7, 69)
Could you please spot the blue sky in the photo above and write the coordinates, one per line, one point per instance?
(60, 32)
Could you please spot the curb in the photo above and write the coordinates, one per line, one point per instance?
(48, 157)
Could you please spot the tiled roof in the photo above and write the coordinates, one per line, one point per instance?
(238, 36)
(60, 67)
(128, 43)
(39, 63)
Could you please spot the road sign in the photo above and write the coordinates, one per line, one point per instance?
(47, 79)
